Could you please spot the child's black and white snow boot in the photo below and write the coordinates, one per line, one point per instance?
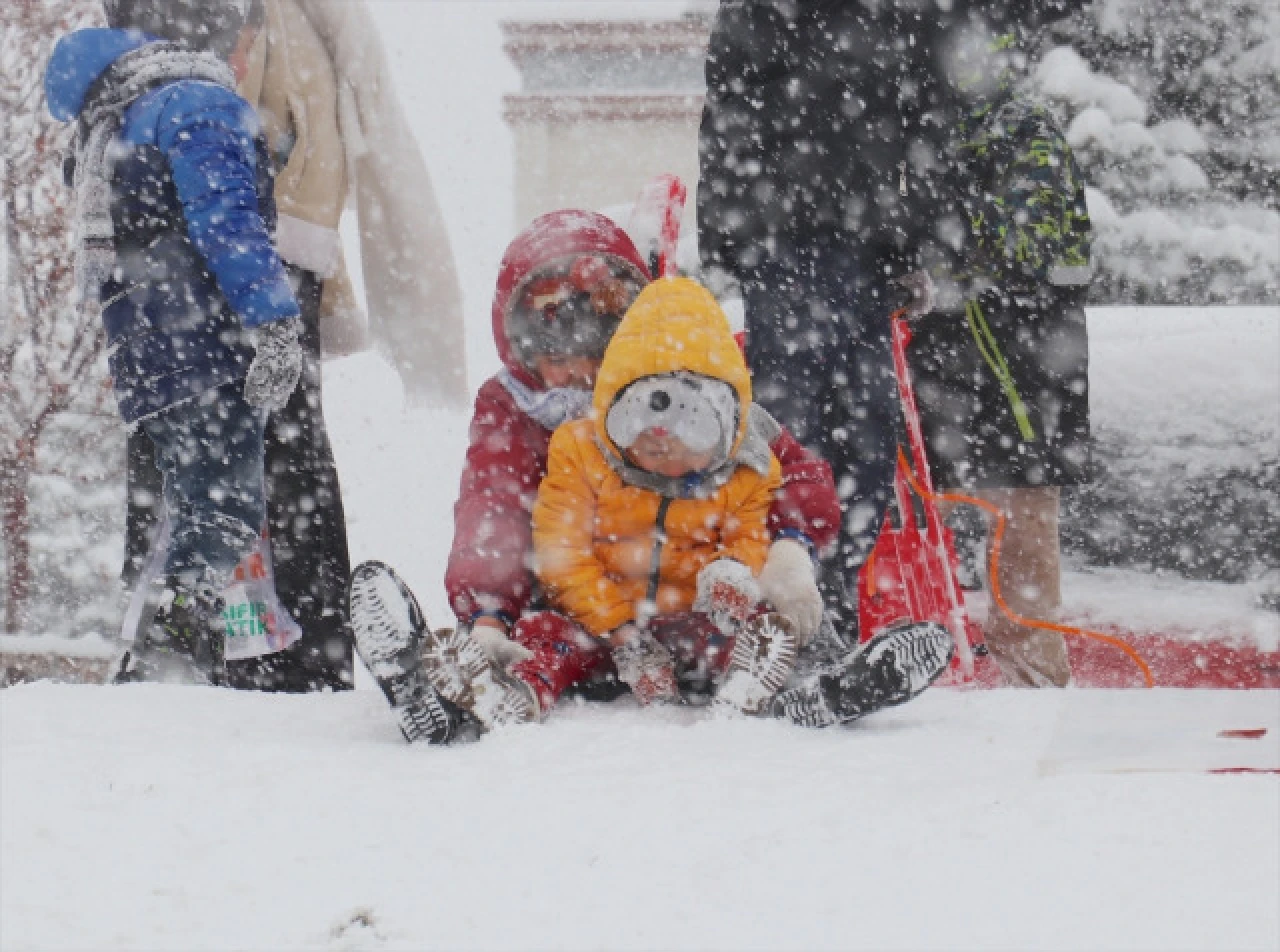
(890, 669)
(181, 643)
(389, 630)
(461, 670)
(764, 654)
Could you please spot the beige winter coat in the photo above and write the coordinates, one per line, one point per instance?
(320, 77)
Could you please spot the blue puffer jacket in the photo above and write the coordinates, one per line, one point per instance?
(193, 216)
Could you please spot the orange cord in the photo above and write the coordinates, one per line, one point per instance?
(993, 571)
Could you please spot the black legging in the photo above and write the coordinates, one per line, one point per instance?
(306, 523)
(818, 345)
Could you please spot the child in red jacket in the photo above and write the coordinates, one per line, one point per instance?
(563, 286)
(551, 352)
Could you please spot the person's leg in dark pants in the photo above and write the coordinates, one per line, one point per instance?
(819, 350)
(144, 500)
(208, 451)
(308, 531)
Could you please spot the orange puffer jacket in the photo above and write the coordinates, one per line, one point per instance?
(604, 547)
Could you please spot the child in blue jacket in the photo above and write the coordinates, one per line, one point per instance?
(175, 220)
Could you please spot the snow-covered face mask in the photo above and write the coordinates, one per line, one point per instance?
(701, 412)
(571, 307)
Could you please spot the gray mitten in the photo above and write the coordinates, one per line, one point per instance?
(644, 665)
(277, 366)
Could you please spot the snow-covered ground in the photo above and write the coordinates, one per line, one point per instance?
(153, 817)
(1198, 388)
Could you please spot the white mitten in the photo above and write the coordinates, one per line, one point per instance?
(501, 650)
(727, 593)
(787, 583)
(644, 665)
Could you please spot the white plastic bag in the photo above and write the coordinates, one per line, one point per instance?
(254, 621)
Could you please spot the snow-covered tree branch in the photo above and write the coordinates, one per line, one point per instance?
(1174, 112)
(49, 348)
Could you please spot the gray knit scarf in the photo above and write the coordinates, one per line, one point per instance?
(549, 408)
(129, 77)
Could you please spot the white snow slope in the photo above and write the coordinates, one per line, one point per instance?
(155, 817)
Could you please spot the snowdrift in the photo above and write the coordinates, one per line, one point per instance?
(152, 817)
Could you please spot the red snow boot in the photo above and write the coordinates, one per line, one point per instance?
(563, 656)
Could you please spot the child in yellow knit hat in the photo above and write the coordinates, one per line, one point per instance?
(650, 526)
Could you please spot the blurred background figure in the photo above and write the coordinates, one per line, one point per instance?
(822, 194)
(336, 133)
(1002, 366)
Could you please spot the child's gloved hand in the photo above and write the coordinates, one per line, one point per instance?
(787, 583)
(644, 665)
(491, 635)
(277, 365)
(727, 594)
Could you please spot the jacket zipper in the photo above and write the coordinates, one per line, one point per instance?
(659, 538)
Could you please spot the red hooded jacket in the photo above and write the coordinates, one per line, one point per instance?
(489, 564)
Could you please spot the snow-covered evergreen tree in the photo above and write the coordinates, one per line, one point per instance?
(1174, 111)
(1173, 108)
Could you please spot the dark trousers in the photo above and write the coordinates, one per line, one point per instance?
(971, 433)
(821, 359)
(207, 465)
(306, 524)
